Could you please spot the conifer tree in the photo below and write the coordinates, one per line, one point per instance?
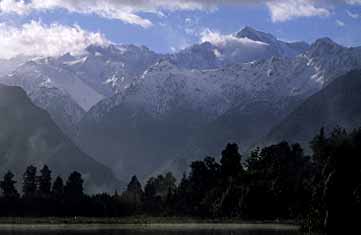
(30, 182)
(58, 188)
(74, 186)
(7, 186)
(45, 181)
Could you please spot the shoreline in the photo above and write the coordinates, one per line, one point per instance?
(152, 227)
(136, 220)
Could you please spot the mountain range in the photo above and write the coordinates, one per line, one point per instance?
(139, 112)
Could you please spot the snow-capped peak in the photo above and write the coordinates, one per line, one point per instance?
(277, 47)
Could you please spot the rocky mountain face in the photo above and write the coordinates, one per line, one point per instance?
(28, 136)
(337, 105)
(62, 108)
(110, 69)
(332, 60)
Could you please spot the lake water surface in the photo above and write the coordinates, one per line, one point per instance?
(164, 229)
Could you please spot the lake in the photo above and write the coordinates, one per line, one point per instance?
(154, 229)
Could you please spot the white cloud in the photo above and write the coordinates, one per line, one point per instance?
(230, 48)
(221, 40)
(340, 23)
(352, 15)
(36, 39)
(124, 10)
(18, 7)
(128, 10)
(283, 10)
(106, 9)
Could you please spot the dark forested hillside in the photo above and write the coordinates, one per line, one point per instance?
(29, 136)
(338, 104)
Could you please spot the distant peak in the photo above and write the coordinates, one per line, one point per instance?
(324, 46)
(248, 29)
(325, 41)
(253, 34)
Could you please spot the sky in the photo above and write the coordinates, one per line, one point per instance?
(53, 27)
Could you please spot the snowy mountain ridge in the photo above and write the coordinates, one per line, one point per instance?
(102, 71)
(216, 90)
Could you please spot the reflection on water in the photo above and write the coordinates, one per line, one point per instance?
(148, 231)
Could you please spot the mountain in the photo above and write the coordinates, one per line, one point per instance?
(69, 85)
(338, 104)
(137, 111)
(29, 136)
(245, 46)
(109, 69)
(279, 48)
(172, 112)
(102, 71)
(311, 71)
(332, 60)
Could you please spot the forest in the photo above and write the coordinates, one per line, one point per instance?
(321, 190)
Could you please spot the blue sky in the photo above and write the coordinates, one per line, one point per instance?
(165, 26)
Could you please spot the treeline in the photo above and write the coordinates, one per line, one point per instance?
(278, 182)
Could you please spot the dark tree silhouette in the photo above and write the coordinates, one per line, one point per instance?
(275, 184)
(45, 181)
(132, 198)
(30, 182)
(74, 186)
(158, 193)
(135, 186)
(7, 186)
(182, 197)
(58, 188)
(320, 147)
(231, 161)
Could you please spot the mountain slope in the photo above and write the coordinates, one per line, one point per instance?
(35, 74)
(29, 136)
(332, 60)
(65, 112)
(338, 104)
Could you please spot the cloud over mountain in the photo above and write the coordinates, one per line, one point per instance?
(37, 39)
(222, 40)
